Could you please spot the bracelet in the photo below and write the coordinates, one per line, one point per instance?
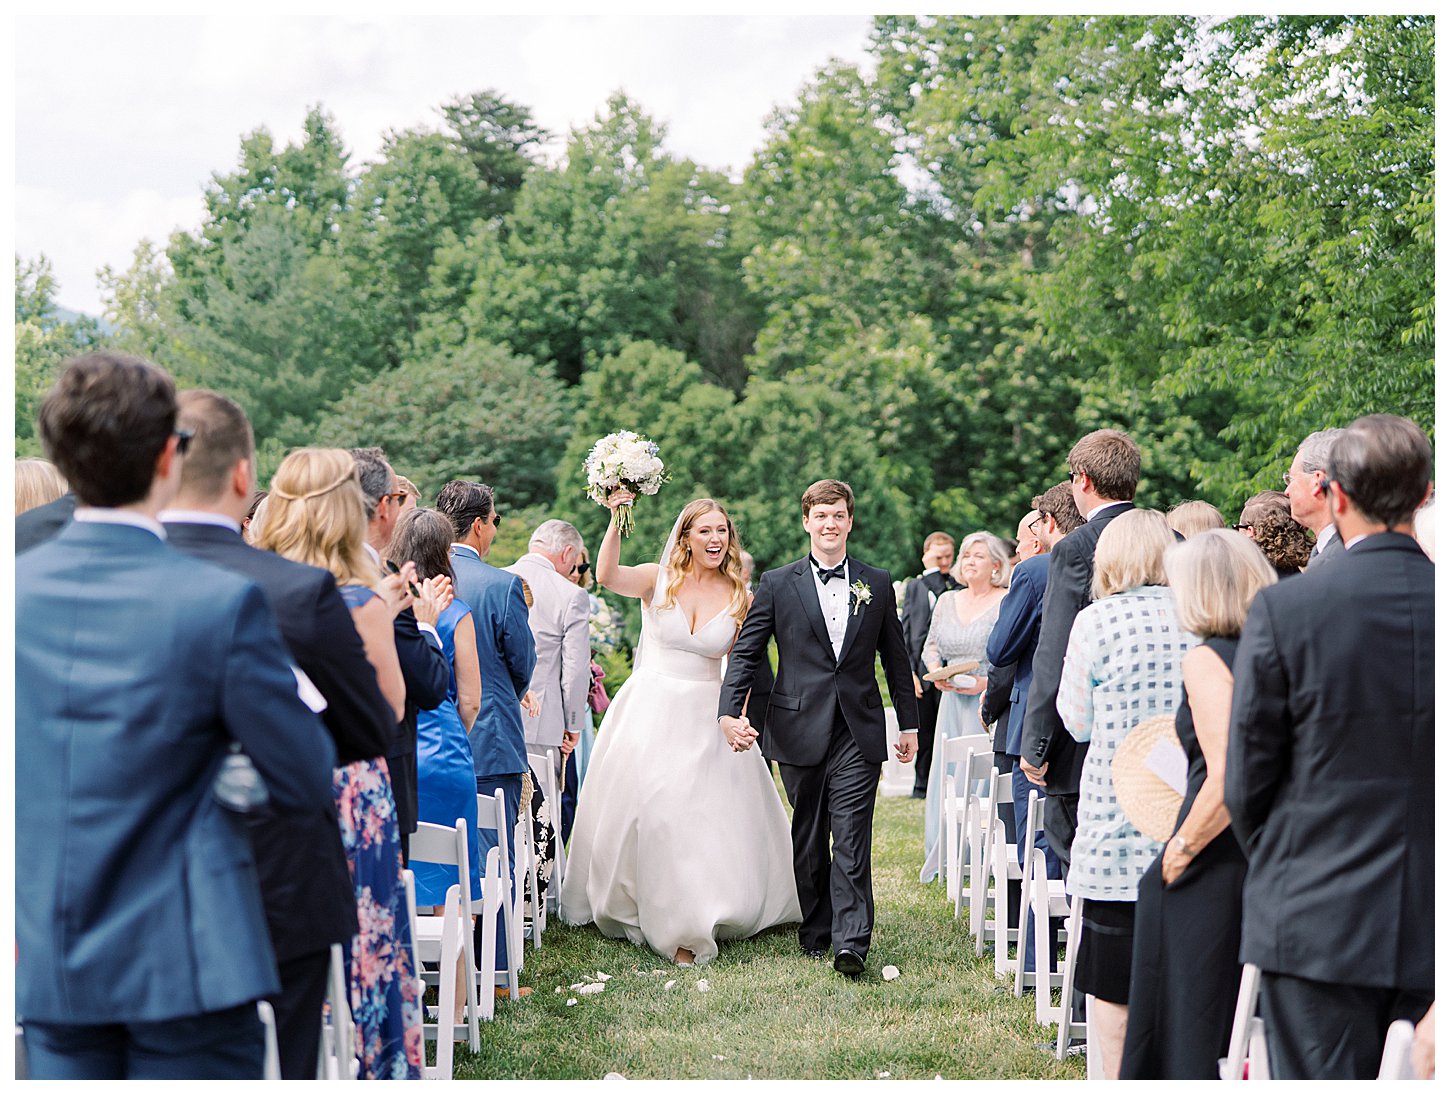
(1184, 847)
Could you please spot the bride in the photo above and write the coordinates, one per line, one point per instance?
(679, 840)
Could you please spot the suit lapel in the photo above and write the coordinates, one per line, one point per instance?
(805, 586)
(854, 573)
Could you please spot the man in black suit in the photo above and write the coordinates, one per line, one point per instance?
(1104, 469)
(831, 616)
(918, 601)
(1330, 779)
(425, 669)
(301, 865)
(36, 526)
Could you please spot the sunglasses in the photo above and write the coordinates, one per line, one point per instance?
(582, 568)
(183, 441)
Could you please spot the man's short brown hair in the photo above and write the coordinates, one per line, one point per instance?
(1057, 500)
(105, 423)
(220, 437)
(825, 491)
(1111, 460)
(933, 538)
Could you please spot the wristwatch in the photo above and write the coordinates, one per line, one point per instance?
(1184, 847)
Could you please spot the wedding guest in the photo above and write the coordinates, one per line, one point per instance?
(420, 650)
(960, 624)
(301, 865)
(413, 495)
(318, 515)
(446, 787)
(1190, 518)
(1331, 770)
(252, 527)
(1425, 528)
(1266, 519)
(1186, 970)
(918, 601)
(44, 522)
(1012, 644)
(1306, 483)
(596, 700)
(1122, 666)
(258, 497)
(1104, 468)
(506, 660)
(37, 483)
(141, 944)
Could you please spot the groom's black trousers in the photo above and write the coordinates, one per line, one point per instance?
(832, 807)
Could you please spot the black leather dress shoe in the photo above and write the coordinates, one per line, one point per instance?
(850, 963)
(814, 952)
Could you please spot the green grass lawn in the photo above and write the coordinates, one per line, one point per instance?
(771, 1013)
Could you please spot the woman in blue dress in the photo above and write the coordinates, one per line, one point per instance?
(447, 789)
(316, 514)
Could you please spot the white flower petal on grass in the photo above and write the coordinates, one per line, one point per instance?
(615, 1076)
(890, 973)
(669, 984)
(702, 985)
(603, 977)
(590, 990)
(717, 1056)
(569, 1003)
(558, 989)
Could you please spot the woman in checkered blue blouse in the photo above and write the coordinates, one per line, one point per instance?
(1123, 665)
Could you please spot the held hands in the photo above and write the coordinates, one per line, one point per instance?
(906, 746)
(739, 734)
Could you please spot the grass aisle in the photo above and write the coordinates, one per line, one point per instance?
(771, 1013)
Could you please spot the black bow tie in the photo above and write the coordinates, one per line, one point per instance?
(835, 572)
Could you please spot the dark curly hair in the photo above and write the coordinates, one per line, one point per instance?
(1283, 540)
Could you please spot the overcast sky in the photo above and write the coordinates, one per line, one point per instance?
(121, 117)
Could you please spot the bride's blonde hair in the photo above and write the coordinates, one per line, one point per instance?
(678, 564)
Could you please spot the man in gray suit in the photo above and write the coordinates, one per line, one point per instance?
(559, 620)
(1307, 485)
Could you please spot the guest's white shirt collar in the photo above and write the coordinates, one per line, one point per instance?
(372, 553)
(1099, 509)
(1325, 535)
(1350, 543)
(468, 548)
(198, 517)
(101, 515)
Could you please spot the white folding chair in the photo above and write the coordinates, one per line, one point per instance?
(442, 939)
(527, 874)
(1069, 1028)
(999, 870)
(1395, 1064)
(966, 761)
(271, 1060)
(1048, 898)
(1248, 1046)
(337, 1048)
(493, 817)
(543, 768)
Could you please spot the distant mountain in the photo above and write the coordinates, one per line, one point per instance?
(65, 315)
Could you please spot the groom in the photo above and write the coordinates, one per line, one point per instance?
(830, 615)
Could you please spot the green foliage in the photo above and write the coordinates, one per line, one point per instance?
(43, 343)
(476, 413)
(933, 277)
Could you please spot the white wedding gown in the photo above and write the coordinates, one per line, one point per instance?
(678, 840)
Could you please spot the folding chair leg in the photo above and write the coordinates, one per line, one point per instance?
(1069, 969)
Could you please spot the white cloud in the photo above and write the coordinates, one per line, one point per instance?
(121, 117)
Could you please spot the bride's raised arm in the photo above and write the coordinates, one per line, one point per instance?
(636, 581)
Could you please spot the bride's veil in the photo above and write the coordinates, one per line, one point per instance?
(661, 581)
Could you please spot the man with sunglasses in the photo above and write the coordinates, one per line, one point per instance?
(1306, 484)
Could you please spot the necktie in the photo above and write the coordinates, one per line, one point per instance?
(835, 572)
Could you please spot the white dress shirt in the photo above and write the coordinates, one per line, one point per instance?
(1324, 537)
(835, 598)
(100, 515)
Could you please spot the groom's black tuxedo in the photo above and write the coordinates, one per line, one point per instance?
(827, 731)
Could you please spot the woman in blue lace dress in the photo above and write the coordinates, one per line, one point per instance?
(317, 515)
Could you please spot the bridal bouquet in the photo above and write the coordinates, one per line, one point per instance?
(624, 459)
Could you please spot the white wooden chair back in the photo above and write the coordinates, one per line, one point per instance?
(966, 762)
(337, 1048)
(442, 939)
(1242, 1034)
(493, 817)
(271, 1058)
(1395, 1064)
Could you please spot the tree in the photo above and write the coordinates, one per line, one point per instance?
(500, 139)
(43, 343)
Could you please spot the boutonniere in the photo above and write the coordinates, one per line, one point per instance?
(860, 595)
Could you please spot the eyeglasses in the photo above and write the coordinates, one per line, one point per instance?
(582, 568)
(1242, 528)
(398, 496)
(183, 440)
(1032, 524)
(1072, 475)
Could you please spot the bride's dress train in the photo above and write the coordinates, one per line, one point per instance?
(678, 841)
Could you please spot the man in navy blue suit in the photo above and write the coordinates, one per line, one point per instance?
(141, 939)
(506, 655)
(1012, 644)
(306, 886)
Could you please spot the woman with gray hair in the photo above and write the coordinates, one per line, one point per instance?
(960, 624)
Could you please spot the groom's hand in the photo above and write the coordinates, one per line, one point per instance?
(906, 746)
(739, 734)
